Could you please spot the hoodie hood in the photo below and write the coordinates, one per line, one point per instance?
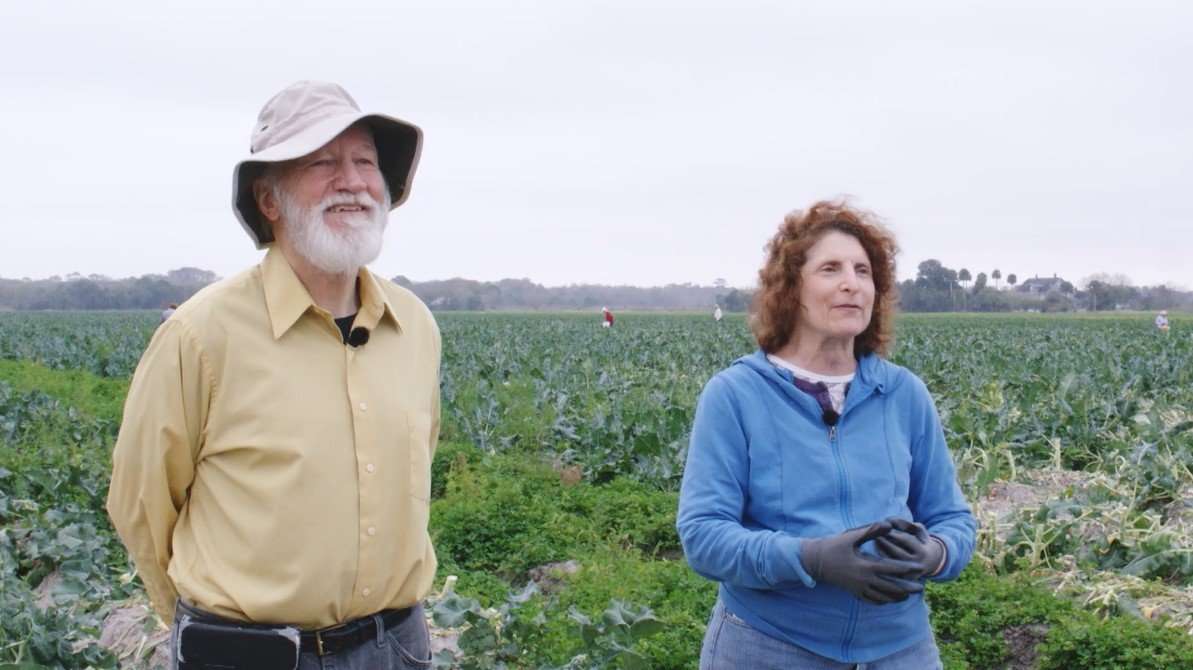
(873, 375)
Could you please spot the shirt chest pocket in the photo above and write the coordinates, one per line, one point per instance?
(419, 448)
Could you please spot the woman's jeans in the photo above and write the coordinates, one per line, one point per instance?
(731, 644)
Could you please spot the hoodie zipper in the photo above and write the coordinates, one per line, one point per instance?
(843, 481)
(842, 477)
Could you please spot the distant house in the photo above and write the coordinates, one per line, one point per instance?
(1040, 285)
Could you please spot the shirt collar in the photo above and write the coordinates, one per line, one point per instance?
(808, 375)
(287, 299)
(374, 302)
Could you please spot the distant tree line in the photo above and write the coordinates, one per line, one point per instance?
(75, 291)
(523, 294)
(935, 288)
(79, 292)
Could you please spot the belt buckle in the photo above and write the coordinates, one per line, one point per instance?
(319, 643)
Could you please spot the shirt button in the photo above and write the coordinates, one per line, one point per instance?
(371, 468)
(364, 407)
(365, 593)
(372, 530)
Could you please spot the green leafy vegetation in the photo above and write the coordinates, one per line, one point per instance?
(559, 463)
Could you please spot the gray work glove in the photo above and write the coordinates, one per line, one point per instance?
(910, 542)
(837, 560)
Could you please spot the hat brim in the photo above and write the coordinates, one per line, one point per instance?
(399, 145)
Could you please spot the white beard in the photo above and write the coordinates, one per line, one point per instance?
(333, 252)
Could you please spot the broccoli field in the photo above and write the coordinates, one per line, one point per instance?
(556, 481)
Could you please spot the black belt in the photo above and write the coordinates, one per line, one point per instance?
(325, 641)
(351, 634)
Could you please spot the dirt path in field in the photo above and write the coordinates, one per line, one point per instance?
(1004, 499)
(999, 510)
(132, 633)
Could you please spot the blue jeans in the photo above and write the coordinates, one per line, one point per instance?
(405, 647)
(732, 644)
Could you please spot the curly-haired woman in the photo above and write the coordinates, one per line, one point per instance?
(818, 489)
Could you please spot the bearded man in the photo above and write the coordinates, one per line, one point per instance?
(271, 479)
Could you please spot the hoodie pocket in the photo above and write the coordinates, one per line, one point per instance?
(896, 430)
(899, 453)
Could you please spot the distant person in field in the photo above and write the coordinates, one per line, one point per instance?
(167, 312)
(1162, 321)
(716, 313)
(818, 488)
(271, 479)
(607, 317)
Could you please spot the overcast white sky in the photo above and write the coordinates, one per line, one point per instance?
(631, 142)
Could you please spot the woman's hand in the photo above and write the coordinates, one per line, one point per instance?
(837, 560)
(910, 542)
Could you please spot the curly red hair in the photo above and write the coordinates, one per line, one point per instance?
(776, 306)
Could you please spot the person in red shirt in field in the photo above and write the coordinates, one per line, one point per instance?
(608, 322)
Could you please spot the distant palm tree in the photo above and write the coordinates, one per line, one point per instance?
(1012, 280)
(996, 275)
(964, 276)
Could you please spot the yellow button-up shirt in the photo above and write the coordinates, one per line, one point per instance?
(266, 471)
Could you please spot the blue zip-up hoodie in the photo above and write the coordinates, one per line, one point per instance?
(764, 471)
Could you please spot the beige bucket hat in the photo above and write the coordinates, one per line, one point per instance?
(303, 117)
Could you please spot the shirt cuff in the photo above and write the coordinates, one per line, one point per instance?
(944, 556)
(787, 566)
